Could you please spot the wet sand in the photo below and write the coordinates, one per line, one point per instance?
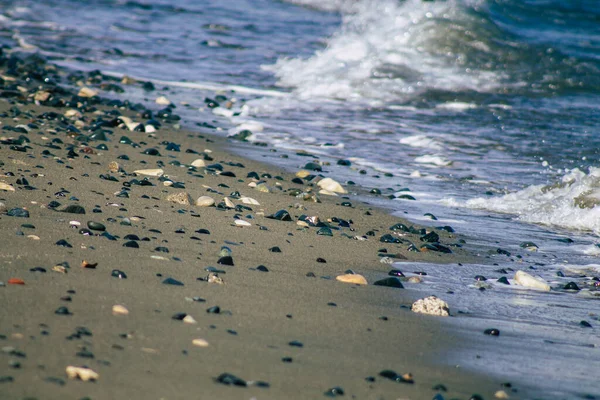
(293, 331)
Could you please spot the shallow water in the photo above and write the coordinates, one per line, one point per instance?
(487, 110)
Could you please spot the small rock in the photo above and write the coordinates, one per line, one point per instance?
(117, 273)
(6, 187)
(150, 172)
(334, 392)
(492, 332)
(501, 394)
(188, 319)
(198, 163)
(352, 278)
(431, 305)
(114, 167)
(87, 92)
(16, 281)
(171, 281)
(230, 379)
(524, 279)
(331, 185)
(200, 342)
(119, 310)
(214, 278)
(83, 373)
(18, 212)
(205, 201)
(390, 282)
(163, 101)
(182, 198)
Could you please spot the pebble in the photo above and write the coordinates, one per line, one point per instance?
(331, 185)
(96, 226)
(392, 282)
(214, 278)
(74, 209)
(492, 332)
(198, 163)
(62, 311)
(230, 379)
(188, 319)
(501, 394)
(241, 222)
(295, 343)
(394, 376)
(6, 187)
(182, 198)
(171, 281)
(16, 281)
(87, 92)
(83, 373)
(262, 268)
(334, 392)
(352, 278)
(200, 342)
(205, 201)
(524, 279)
(119, 310)
(432, 306)
(117, 273)
(18, 212)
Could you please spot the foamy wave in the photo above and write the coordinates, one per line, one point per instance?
(422, 141)
(571, 203)
(387, 50)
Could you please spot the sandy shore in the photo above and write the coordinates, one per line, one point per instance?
(290, 331)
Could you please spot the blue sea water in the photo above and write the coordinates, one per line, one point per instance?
(487, 110)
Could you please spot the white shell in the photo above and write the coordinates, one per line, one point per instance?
(524, 279)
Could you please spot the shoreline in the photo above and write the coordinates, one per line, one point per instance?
(342, 328)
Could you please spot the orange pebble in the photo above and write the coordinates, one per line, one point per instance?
(16, 281)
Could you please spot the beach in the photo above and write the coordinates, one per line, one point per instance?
(238, 299)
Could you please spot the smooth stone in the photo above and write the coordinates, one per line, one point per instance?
(96, 226)
(262, 268)
(296, 343)
(324, 231)
(227, 260)
(18, 212)
(182, 198)
(390, 282)
(205, 201)
(64, 243)
(571, 286)
(83, 373)
(275, 249)
(150, 172)
(492, 332)
(241, 222)
(198, 163)
(394, 376)
(74, 209)
(432, 306)
(281, 215)
(131, 244)
(118, 309)
(151, 151)
(87, 92)
(199, 342)
(503, 280)
(524, 279)
(117, 273)
(62, 311)
(387, 238)
(352, 278)
(249, 200)
(334, 392)
(214, 310)
(585, 324)
(171, 281)
(230, 380)
(6, 187)
(331, 185)
(431, 237)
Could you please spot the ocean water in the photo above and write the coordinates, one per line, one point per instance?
(487, 111)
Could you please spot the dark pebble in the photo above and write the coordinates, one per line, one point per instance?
(132, 243)
(214, 310)
(227, 260)
(117, 273)
(229, 379)
(262, 268)
(475, 397)
(18, 212)
(440, 387)
(287, 359)
(585, 324)
(295, 343)
(571, 286)
(492, 332)
(74, 209)
(392, 375)
(6, 379)
(151, 152)
(275, 249)
(321, 260)
(171, 281)
(431, 237)
(396, 272)
(64, 243)
(503, 280)
(281, 215)
(179, 316)
(387, 238)
(334, 392)
(390, 282)
(480, 278)
(96, 226)
(62, 311)
(85, 354)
